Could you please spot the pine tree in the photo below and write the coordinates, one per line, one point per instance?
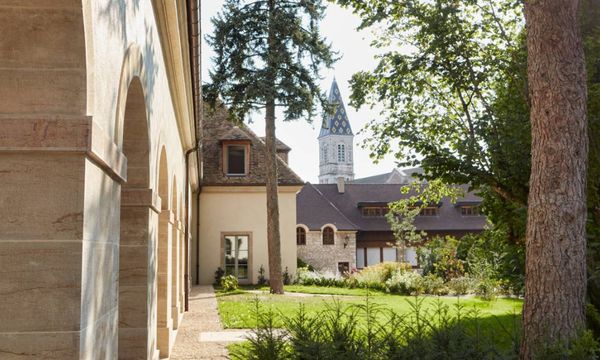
(268, 55)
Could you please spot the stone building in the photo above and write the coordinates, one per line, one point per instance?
(233, 210)
(98, 175)
(336, 145)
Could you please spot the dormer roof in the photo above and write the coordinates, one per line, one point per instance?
(336, 123)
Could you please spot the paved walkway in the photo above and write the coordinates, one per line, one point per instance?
(200, 335)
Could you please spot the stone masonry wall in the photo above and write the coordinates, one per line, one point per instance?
(325, 258)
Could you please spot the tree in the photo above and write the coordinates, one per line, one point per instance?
(268, 55)
(555, 273)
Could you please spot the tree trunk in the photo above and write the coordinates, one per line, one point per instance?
(273, 235)
(554, 308)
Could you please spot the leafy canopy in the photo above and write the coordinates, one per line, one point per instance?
(442, 79)
(269, 52)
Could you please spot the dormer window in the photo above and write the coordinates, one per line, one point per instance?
(236, 158)
(470, 210)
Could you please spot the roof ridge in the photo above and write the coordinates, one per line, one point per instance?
(333, 205)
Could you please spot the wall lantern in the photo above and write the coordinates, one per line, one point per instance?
(346, 241)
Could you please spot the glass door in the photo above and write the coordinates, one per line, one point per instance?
(236, 256)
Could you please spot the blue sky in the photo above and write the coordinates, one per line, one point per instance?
(339, 27)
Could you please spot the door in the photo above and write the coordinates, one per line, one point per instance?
(236, 256)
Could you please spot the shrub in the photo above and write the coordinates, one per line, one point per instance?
(218, 275)
(460, 285)
(430, 284)
(336, 333)
(303, 264)
(229, 283)
(262, 280)
(287, 279)
(487, 289)
(402, 282)
(375, 276)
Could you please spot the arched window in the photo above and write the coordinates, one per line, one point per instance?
(328, 236)
(300, 236)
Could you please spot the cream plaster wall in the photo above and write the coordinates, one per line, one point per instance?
(244, 209)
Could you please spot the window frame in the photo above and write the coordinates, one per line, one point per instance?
(473, 210)
(341, 155)
(225, 150)
(323, 234)
(300, 232)
(248, 279)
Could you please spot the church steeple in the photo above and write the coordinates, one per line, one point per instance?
(336, 142)
(336, 123)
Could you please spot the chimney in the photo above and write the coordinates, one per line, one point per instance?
(341, 185)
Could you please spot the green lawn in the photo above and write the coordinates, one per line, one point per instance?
(237, 309)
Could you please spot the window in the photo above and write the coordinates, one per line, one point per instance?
(325, 153)
(429, 211)
(373, 256)
(374, 211)
(360, 258)
(328, 236)
(343, 267)
(236, 159)
(341, 153)
(300, 236)
(470, 210)
(389, 254)
(236, 256)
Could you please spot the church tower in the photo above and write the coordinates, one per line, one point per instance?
(336, 142)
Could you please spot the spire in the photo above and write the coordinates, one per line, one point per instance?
(336, 123)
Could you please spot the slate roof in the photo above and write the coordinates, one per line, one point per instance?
(336, 123)
(396, 176)
(216, 128)
(319, 204)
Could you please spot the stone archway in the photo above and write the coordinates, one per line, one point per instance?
(138, 209)
(175, 259)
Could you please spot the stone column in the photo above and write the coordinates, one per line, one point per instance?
(164, 279)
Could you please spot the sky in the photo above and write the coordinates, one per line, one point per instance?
(339, 27)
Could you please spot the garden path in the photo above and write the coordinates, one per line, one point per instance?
(201, 335)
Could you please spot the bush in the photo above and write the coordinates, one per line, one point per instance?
(218, 275)
(302, 264)
(287, 279)
(430, 284)
(229, 283)
(402, 282)
(336, 333)
(262, 280)
(375, 276)
(488, 289)
(460, 285)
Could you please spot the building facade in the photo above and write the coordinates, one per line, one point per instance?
(233, 210)
(98, 126)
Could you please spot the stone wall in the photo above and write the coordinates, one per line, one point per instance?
(325, 258)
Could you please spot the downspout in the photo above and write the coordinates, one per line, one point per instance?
(193, 15)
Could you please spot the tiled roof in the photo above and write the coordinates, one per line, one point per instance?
(280, 145)
(396, 176)
(336, 123)
(315, 211)
(216, 128)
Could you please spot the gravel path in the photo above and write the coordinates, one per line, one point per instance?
(202, 318)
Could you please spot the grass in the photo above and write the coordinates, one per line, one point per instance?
(237, 309)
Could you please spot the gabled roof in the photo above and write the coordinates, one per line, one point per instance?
(336, 123)
(315, 211)
(280, 145)
(216, 128)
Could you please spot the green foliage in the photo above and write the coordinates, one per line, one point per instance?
(583, 347)
(287, 279)
(438, 256)
(460, 285)
(261, 276)
(369, 331)
(402, 213)
(268, 53)
(229, 283)
(302, 264)
(219, 275)
(403, 282)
